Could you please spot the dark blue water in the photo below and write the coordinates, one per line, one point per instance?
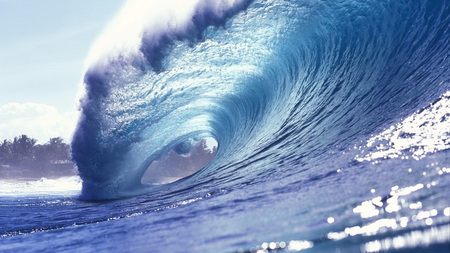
(331, 121)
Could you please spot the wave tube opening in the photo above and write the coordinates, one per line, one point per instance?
(183, 160)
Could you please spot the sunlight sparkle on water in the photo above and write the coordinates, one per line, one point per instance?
(421, 133)
(410, 240)
(291, 246)
(394, 203)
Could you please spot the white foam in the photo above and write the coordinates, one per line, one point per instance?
(139, 18)
(64, 186)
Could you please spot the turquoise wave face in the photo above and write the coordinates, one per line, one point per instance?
(271, 82)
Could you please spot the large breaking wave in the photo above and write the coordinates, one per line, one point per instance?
(276, 83)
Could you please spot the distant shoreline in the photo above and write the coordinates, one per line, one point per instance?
(10, 173)
(30, 179)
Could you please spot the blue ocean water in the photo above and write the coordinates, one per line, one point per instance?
(327, 123)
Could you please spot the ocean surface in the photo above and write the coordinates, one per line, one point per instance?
(254, 126)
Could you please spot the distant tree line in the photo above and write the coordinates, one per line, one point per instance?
(23, 157)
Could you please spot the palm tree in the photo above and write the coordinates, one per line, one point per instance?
(22, 149)
(5, 152)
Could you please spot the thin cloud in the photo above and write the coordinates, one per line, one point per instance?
(39, 121)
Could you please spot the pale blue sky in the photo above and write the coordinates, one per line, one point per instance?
(43, 45)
